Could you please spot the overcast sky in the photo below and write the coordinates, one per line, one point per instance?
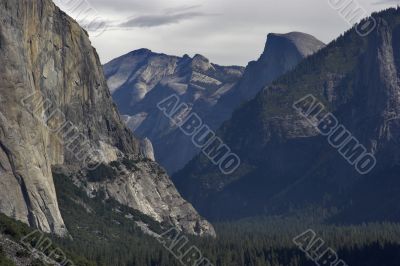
(229, 32)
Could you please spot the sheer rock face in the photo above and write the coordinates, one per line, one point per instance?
(287, 165)
(140, 79)
(46, 56)
(282, 53)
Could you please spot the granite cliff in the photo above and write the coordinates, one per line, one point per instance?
(56, 111)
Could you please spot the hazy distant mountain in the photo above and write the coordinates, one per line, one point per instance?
(140, 79)
(287, 165)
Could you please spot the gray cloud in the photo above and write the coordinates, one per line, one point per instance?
(122, 5)
(160, 20)
(181, 9)
(169, 16)
(89, 18)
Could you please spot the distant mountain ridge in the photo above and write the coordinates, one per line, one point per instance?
(141, 79)
(287, 166)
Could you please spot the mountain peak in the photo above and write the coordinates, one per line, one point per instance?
(306, 44)
(282, 53)
(201, 63)
(200, 57)
(141, 51)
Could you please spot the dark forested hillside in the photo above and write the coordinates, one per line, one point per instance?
(286, 164)
(103, 234)
(254, 242)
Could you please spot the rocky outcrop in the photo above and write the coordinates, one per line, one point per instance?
(144, 186)
(147, 150)
(20, 254)
(141, 79)
(56, 109)
(287, 165)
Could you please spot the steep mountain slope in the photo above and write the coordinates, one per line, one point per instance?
(141, 79)
(287, 165)
(56, 110)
